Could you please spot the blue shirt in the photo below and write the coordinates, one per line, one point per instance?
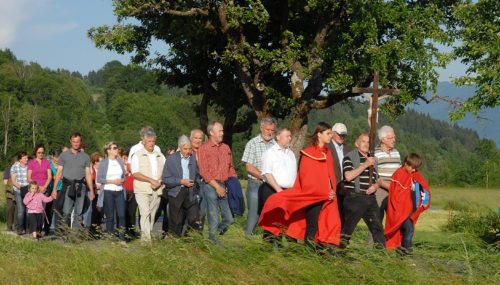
(185, 166)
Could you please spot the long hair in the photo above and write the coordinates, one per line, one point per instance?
(320, 127)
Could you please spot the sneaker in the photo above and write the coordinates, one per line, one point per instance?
(21, 232)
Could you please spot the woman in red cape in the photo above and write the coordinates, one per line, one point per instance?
(400, 206)
(308, 211)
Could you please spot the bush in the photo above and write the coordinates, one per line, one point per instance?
(482, 223)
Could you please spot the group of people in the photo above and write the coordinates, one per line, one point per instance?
(320, 201)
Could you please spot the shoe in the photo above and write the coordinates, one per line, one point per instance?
(223, 231)
(21, 232)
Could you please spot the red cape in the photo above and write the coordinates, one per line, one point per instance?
(284, 212)
(400, 205)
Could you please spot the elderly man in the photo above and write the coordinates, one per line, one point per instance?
(252, 157)
(146, 167)
(360, 203)
(279, 169)
(216, 167)
(196, 138)
(74, 170)
(180, 176)
(339, 150)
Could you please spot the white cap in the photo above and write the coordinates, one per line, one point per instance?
(340, 129)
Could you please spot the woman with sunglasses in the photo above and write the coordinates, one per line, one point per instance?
(111, 174)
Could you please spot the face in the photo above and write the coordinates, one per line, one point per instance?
(338, 138)
(55, 159)
(363, 144)
(24, 160)
(33, 188)
(389, 141)
(185, 150)
(217, 133)
(409, 168)
(76, 143)
(267, 131)
(325, 136)
(125, 158)
(196, 139)
(284, 138)
(40, 152)
(113, 150)
(149, 143)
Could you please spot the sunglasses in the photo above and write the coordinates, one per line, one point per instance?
(114, 148)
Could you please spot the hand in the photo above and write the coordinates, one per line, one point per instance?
(372, 189)
(43, 189)
(92, 196)
(331, 195)
(369, 162)
(118, 182)
(54, 194)
(155, 184)
(188, 183)
(221, 192)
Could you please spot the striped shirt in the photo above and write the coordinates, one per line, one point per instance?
(363, 177)
(388, 162)
(254, 150)
(216, 162)
(21, 173)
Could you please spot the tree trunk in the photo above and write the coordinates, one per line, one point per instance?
(229, 121)
(6, 123)
(298, 127)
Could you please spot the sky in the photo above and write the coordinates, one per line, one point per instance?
(53, 33)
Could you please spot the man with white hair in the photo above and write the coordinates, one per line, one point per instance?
(146, 167)
(339, 149)
(388, 161)
(252, 157)
(180, 176)
(216, 167)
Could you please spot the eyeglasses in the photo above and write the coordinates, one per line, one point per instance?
(40, 152)
(114, 148)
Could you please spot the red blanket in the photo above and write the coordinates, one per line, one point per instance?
(284, 212)
(400, 205)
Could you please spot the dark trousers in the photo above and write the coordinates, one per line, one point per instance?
(10, 213)
(266, 192)
(96, 218)
(407, 232)
(341, 194)
(48, 220)
(180, 207)
(382, 208)
(114, 201)
(362, 206)
(312, 215)
(35, 222)
(130, 214)
(163, 209)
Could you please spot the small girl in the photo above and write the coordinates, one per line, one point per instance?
(34, 203)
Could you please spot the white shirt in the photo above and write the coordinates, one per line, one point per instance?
(134, 166)
(281, 163)
(114, 172)
(138, 147)
(340, 154)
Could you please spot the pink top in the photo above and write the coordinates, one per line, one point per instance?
(39, 170)
(34, 203)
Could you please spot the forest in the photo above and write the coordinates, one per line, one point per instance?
(114, 102)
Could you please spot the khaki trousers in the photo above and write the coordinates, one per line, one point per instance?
(148, 205)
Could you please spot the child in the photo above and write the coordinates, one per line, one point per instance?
(408, 197)
(34, 203)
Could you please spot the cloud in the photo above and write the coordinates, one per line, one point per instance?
(47, 30)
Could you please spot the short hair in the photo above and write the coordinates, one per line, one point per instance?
(39, 145)
(94, 157)
(414, 160)
(281, 129)
(56, 152)
(147, 132)
(75, 135)
(267, 121)
(211, 125)
(183, 140)
(195, 130)
(21, 154)
(382, 132)
(362, 135)
(107, 146)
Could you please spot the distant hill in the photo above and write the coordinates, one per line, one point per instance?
(487, 126)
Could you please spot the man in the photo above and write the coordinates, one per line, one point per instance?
(74, 170)
(388, 161)
(179, 176)
(252, 157)
(339, 150)
(196, 138)
(279, 168)
(147, 166)
(216, 167)
(360, 203)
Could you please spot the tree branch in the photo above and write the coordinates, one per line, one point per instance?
(332, 99)
(165, 9)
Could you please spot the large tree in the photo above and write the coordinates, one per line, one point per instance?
(285, 58)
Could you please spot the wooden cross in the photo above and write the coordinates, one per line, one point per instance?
(373, 115)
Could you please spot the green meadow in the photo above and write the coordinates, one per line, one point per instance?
(441, 256)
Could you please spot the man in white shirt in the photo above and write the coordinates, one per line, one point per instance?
(279, 170)
(140, 144)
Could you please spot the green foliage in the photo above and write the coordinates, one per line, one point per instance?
(484, 224)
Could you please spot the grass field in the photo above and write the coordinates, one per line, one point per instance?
(441, 257)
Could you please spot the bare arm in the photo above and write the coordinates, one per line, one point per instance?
(384, 184)
(90, 185)
(271, 181)
(56, 181)
(155, 184)
(14, 181)
(352, 174)
(254, 171)
(30, 172)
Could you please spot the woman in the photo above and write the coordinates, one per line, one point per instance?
(54, 163)
(96, 218)
(309, 210)
(19, 176)
(111, 174)
(39, 171)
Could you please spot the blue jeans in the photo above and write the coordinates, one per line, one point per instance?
(21, 211)
(407, 231)
(252, 196)
(77, 205)
(114, 201)
(203, 207)
(216, 205)
(87, 216)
